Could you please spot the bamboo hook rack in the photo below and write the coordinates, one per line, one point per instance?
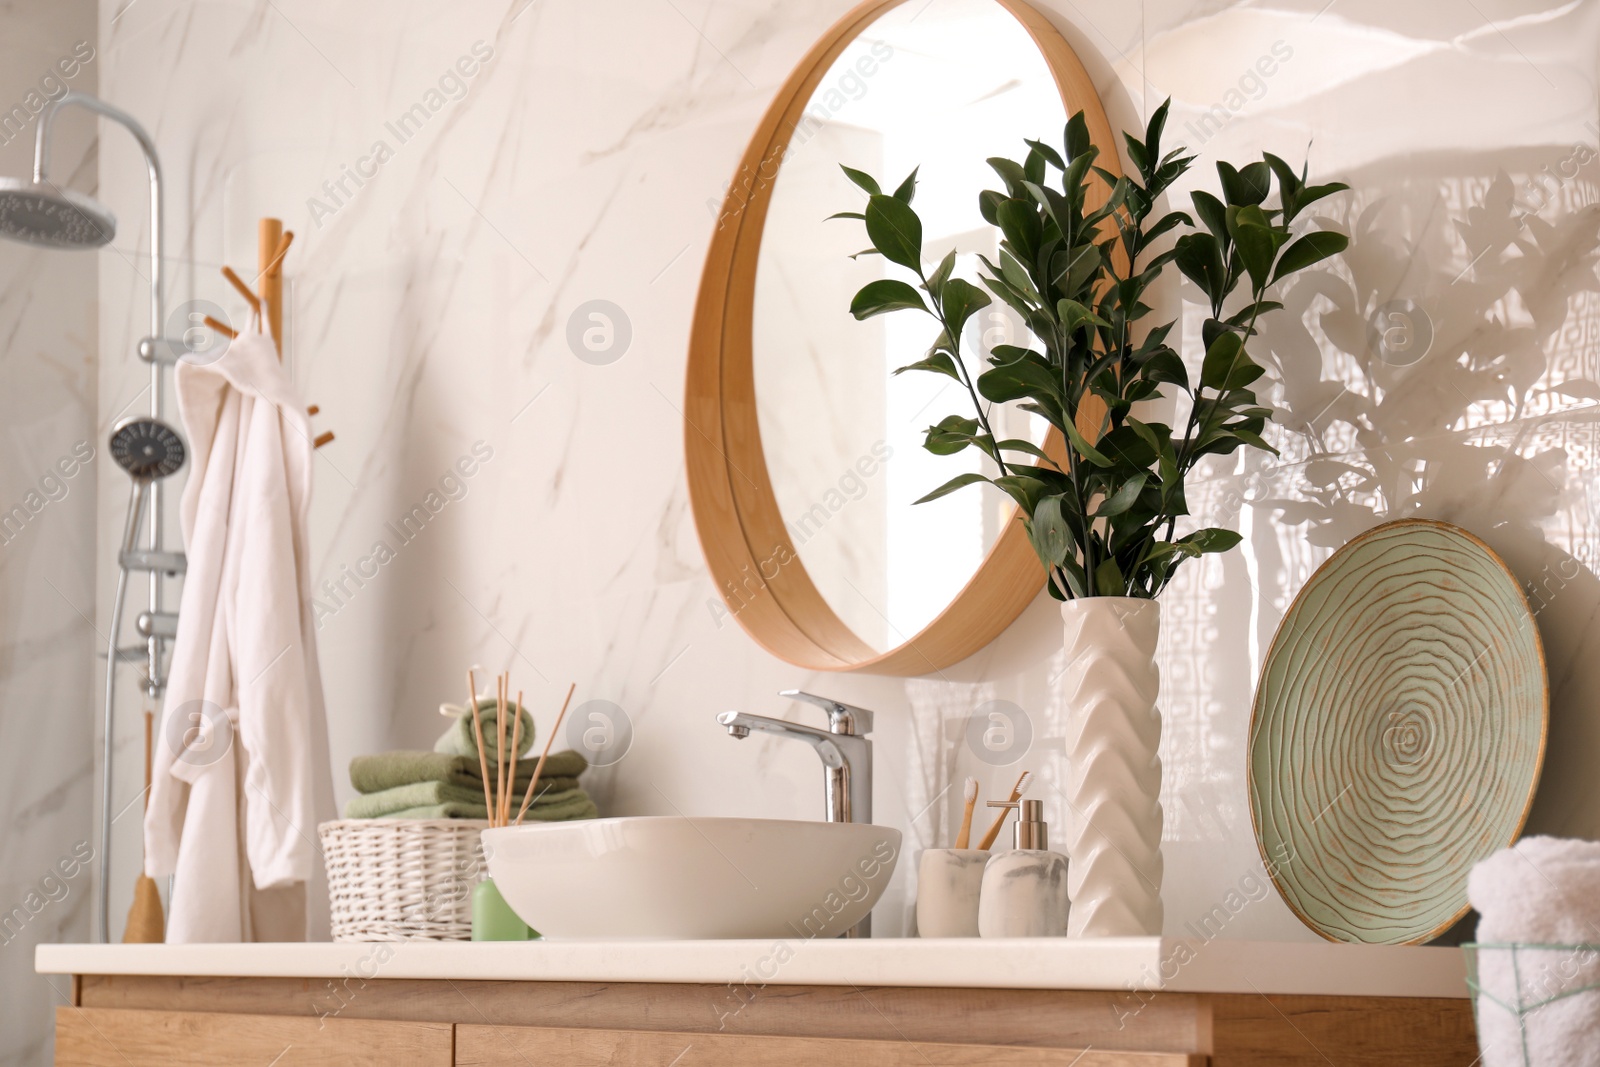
(272, 246)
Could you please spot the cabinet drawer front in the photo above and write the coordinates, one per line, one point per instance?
(115, 1037)
(517, 1046)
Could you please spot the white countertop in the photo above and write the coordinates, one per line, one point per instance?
(1219, 966)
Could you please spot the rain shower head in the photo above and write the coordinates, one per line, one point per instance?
(41, 214)
(148, 449)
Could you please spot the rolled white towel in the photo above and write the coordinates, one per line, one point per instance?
(1544, 891)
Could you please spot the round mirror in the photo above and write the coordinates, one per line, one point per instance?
(805, 451)
(939, 88)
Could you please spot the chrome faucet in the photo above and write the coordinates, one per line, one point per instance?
(846, 753)
(846, 759)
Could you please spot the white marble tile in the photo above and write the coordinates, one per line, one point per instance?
(430, 311)
(50, 453)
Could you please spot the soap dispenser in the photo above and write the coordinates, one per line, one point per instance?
(1025, 890)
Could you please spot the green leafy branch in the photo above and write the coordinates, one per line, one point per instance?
(1075, 267)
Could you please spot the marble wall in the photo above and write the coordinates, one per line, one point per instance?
(455, 229)
(49, 453)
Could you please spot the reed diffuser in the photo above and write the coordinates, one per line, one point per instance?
(492, 917)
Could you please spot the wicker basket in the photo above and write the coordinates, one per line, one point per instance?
(402, 879)
(1532, 1002)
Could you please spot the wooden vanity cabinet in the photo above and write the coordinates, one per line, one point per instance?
(135, 1021)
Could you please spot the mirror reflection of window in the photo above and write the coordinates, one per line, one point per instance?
(942, 87)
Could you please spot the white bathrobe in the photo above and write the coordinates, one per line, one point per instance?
(241, 774)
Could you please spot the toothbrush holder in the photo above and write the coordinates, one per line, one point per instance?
(948, 884)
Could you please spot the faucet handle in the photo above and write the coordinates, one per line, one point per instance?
(842, 718)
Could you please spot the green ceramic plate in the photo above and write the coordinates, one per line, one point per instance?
(1398, 732)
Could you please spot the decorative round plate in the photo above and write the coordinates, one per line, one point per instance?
(1398, 732)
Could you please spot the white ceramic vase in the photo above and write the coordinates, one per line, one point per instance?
(1113, 787)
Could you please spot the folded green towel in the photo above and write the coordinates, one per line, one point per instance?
(426, 794)
(577, 806)
(461, 738)
(385, 770)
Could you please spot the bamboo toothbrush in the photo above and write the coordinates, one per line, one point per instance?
(966, 819)
(1016, 794)
(483, 757)
(538, 768)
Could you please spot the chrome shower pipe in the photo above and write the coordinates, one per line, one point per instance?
(156, 493)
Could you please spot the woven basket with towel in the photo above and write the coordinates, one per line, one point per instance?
(402, 862)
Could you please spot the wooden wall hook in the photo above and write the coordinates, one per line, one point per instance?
(272, 245)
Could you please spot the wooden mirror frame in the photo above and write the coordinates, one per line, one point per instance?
(752, 560)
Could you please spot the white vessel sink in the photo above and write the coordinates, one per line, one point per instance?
(684, 878)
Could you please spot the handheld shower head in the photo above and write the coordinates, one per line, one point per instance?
(38, 213)
(148, 449)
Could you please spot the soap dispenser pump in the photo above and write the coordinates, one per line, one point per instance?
(1025, 890)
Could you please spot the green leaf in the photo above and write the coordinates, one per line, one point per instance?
(1256, 241)
(1212, 211)
(1108, 578)
(940, 273)
(1152, 131)
(1010, 172)
(1137, 153)
(1005, 382)
(845, 215)
(989, 202)
(1076, 140)
(1002, 354)
(1074, 315)
(1073, 574)
(1024, 490)
(1312, 193)
(896, 231)
(884, 295)
(1254, 440)
(1017, 444)
(958, 482)
(950, 435)
(1248, 186)
(1168, 221)
(1123, 499)
(1167, 366)
(937, 362)
(1016, 276)
(1019, 221)
(907, 188)
(1074, 270)
(1211, 539)
(861, 178)
(1314, 247)
(960, 299)
(1289, 185)
(1199, 257)
(1048, 153)
(1033, 166)
(1048, 531)
(1083, 447)
(1224, 355)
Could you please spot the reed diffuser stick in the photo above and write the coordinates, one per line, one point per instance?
(477, 729)
(516, 751)
(500, 745)
(538, 768)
